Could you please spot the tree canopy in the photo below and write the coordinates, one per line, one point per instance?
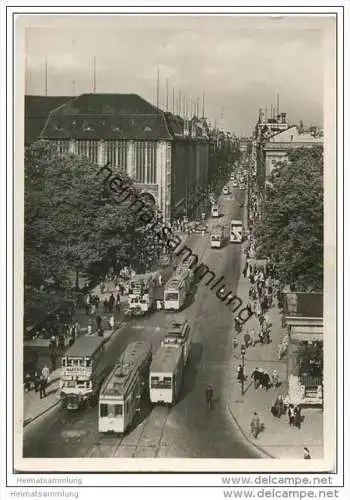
(290, 231)
(73, 222)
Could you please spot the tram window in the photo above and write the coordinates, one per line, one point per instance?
(88, 362)
(103, 410)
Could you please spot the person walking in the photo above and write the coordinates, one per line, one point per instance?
(112, 322)
(111, 302)
(256, 376)
(117, 303)
(209, 396)
(105, 305)
(45, 372)
(297, 416)
(255, 425)
(98, 320)
(307, 454)
(42, 387)
(291, 414)
(253, 337)
(274, 377)
(240, 373)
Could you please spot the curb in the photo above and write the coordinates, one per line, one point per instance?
(29, 421)
(256, 447)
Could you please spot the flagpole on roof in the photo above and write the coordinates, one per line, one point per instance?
(94, 77)
(45, 75)
(167, 94)
(158, 88)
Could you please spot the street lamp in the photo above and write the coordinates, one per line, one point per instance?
(243, 351)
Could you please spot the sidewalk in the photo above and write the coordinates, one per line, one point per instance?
(277, 440)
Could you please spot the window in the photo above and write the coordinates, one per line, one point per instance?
(145, 160)
(88, 149)
(62, 147)
(171, 296)
(273, 162)
(160, 383)
(117, 154)
(111, 410)
(88, 362)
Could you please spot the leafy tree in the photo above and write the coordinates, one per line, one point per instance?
(73, 222)
(291, 228)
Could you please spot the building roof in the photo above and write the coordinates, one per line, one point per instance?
(85, 346)
(110, 117)
(303, 304)
(36, 111)
(293, 135)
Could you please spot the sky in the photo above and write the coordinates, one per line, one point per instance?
(239, 63)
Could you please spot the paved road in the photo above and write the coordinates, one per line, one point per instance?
(187, 430)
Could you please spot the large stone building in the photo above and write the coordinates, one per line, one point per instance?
(167, 156)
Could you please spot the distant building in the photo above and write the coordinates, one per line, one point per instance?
(304, 318)
(166, 156)
(277, 147)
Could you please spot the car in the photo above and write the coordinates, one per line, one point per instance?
(234, 184)
(225, 190)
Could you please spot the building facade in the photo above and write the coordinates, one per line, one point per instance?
(304, 318)
(277, 147)
(166, 156)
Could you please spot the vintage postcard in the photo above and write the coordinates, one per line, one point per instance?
(175, 242)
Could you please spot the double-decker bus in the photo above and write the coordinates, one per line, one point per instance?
(177, 288)
(142, 296)
(124, 387)
(236, 231)
(217, 237)
(166, 373)
(179, 334)
(83, 368)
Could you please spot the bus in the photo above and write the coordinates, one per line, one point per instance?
(166, 373)
(179, 334)
(123, 389)
(142, 295)
(177, 288)
(83, 368)
(217, 237)
(215, 211)
(236, 231)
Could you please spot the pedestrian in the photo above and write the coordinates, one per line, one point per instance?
(274, 377)
(111, 302)
(117, 303)
(278, 407)
(111, 322)
(160, 280)
(45, 372)
(93, 309)
(307, 454)
(256, 376)
(291, 414)
(297, 416)
(240, 373)
(255, 425)
(247, 340)
(253, 337)
(89, 329)
(42, 386)
(98, 321)
(27, 382)
(238, 327)
(265, 380)
(105, 305)
(36, 381)
(261, 337)
(245, 270)
(209, 396)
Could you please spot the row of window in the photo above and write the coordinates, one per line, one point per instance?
(116, 155)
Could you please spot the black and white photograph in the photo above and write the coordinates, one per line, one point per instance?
(175, 241)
